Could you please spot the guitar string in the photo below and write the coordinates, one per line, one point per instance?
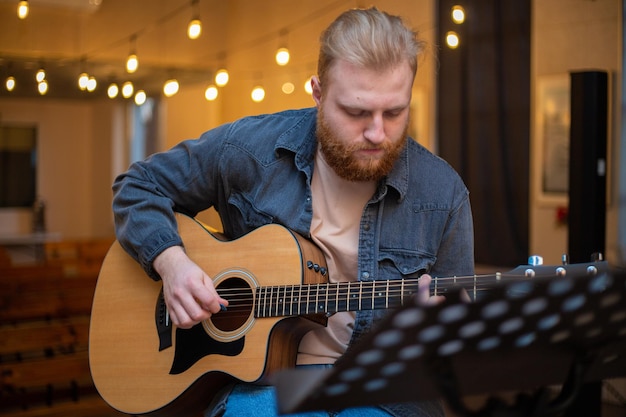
(308, 297)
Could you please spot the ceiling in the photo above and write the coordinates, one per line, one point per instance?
(67, 37)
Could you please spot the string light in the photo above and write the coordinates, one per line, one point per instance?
(132, 62)
(92, 84)
(288, 88)
(113, 90)
(10, 83)
(83, 78)
(140, 97)
(194, 29)
(221, 78)
(458, 14)
(452, 40)
(22, 9)
(127, 89)
(42, 87)
(40, 75)
(211, 93)
(282, 56)
(170, 87)
(257, 94)
(307, 86)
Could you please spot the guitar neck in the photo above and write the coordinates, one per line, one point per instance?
(329, 298)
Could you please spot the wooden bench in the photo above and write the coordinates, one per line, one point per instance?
(44, 334)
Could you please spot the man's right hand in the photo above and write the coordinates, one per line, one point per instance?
(189, 292)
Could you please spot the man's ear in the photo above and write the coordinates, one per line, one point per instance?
(316, 90)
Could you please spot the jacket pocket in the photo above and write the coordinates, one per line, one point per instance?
(245, 215)
(399, 264)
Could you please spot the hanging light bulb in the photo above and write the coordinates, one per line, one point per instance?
(132, 62)
(22, 9)
(258, 94)
(82, 81)
(140, 97)
(113, 90)
(127, 89)
(211, 93)
(458, 14)
(288, 87)
(452, 40)
(170, 87)
(282, 56)
(307, 86)
(10, 83)
(221, 78)
(91, 84)
(194, 29)
(42, 87)
(40, 75)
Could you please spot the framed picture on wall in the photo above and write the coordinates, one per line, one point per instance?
(552, 129)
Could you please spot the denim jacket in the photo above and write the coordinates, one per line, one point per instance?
(258, 170)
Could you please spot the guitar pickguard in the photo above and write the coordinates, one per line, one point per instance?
(194, 344)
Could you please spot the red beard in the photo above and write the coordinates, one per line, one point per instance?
(340, 157)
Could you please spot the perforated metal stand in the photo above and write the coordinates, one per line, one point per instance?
(524, 337)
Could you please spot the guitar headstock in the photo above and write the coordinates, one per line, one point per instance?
(536, 269)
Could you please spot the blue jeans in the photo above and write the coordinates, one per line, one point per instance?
(247, 400)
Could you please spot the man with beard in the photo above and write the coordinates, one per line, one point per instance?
(344, 174)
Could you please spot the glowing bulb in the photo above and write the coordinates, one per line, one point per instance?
(127, 89)
(194, 29)
(458, 14)
(91, 84)
(282, 56)
(170, 87)
(221, 78)
(22, 9)
(140, 97)
(452, 39)
(10, 83)
(288, 88)
(42, 87)
(211, 93)
(41, 75)
(132, 63)
(307, 86)
(82, 81)
(113, 90)
(258, 94)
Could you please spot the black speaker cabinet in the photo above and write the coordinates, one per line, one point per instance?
(587, 192)
(587, 168)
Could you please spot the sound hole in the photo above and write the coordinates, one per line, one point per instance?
(240, 303)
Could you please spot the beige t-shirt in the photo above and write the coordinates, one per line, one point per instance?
(337, 209)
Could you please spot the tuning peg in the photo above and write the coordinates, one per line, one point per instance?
(535, 260)
(597, 257)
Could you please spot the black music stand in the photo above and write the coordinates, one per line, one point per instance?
(526, 336)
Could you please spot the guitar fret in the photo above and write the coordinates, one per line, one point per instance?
(373, 293)
(387, 295)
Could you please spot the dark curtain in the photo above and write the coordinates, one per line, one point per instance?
(483, 120)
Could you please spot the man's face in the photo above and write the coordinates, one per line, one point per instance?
(363, 117)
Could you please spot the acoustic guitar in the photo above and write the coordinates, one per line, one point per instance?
(277, 287)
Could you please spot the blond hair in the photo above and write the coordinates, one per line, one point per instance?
(368, 38)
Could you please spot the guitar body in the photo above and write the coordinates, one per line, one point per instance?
(141, 364)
